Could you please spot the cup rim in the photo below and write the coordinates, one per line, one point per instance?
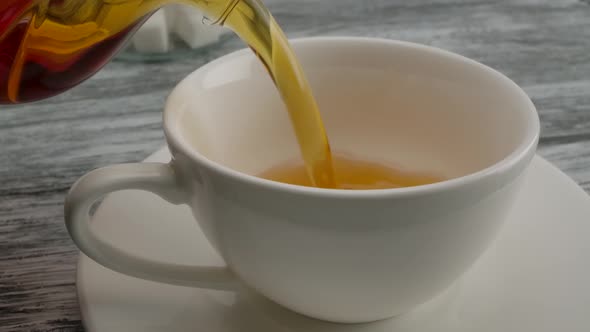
(504, 165)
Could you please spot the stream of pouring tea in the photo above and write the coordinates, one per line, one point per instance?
(49, 46)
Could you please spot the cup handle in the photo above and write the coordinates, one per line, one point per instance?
(157, 178)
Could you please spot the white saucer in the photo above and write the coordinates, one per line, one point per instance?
(536, 277)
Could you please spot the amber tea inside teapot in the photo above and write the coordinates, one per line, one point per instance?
(49, 46)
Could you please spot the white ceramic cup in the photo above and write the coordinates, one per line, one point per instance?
(342, 256)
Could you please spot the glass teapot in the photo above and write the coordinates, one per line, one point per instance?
(50, 46)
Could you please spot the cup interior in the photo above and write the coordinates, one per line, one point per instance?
(415, 107)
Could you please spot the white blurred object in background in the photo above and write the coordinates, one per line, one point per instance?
(182, 22)
(152, 37)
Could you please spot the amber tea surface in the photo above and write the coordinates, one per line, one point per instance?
(352, 174)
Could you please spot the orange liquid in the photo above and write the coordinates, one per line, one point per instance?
(351, 174)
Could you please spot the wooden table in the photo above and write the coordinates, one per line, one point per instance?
(544, 45)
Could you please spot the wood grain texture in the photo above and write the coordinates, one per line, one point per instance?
(543, 45)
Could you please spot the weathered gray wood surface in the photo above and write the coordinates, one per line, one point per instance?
(544, 45)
